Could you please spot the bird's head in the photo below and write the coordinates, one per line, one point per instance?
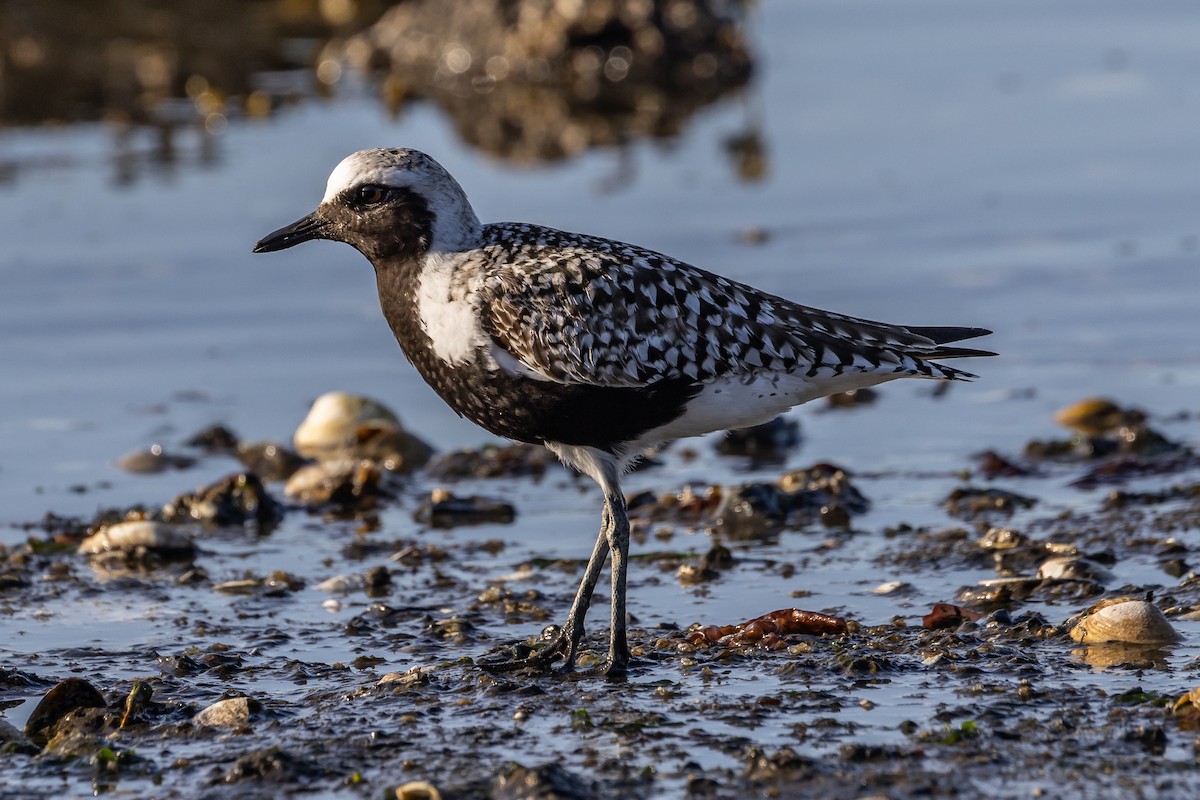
(387, 203)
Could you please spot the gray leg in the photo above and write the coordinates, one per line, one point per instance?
(605, 468)
(569, 637)
(572, 632)
(618, 545)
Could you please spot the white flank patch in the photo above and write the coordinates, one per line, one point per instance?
(730, 403)
(452, 324)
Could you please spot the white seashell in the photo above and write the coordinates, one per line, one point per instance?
(341, 584)
(334, 420)
(139, 535)
(1124, 620)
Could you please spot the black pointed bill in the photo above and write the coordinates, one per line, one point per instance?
(302, 230)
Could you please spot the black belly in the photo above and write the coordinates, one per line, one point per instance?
(539, 411)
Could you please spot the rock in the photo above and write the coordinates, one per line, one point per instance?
(13, 740)
(214, 439)
(1073, 568)
(537, 80)
(752, 509)
(152, 460)
(269, 460)
(970, 501)
(445, 510)
(233, 500)
(80, 733)
(270, 764)
(772, 440)
(541, 783)
(140, 542)
(234, 712)
(349, 483)
(852, 399)
(492, 461)
(63, 698)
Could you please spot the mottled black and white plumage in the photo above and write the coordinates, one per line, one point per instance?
(595, 348)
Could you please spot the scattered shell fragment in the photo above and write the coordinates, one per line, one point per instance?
(138, 539)
(1187, 710)
(1123, 619)
(1097, 415)
(418, 790)
(892, 587)
(230, 713)
(342, 584)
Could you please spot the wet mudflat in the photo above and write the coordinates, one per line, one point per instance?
(238, 638)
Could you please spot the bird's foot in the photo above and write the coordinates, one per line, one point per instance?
(614, 667)
(560, 646)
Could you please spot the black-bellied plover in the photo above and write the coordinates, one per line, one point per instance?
(594, 348)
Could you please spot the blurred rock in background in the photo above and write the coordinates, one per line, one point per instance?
(538, 80)
(526, 80)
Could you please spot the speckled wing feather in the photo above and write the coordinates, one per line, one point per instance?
(579, 309)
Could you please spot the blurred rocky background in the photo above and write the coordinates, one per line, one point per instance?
(524, 80)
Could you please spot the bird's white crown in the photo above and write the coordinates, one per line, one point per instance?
(455, 226)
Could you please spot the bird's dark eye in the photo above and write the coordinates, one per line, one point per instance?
(369, 194)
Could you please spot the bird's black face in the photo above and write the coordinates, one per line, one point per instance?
(381, 222)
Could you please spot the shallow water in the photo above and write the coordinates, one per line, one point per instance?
(1031, 167)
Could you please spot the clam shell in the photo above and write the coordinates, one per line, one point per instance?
(1124, 620)
(129, 537)
(334, 421)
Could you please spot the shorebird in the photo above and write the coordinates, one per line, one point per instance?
(594, 348)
